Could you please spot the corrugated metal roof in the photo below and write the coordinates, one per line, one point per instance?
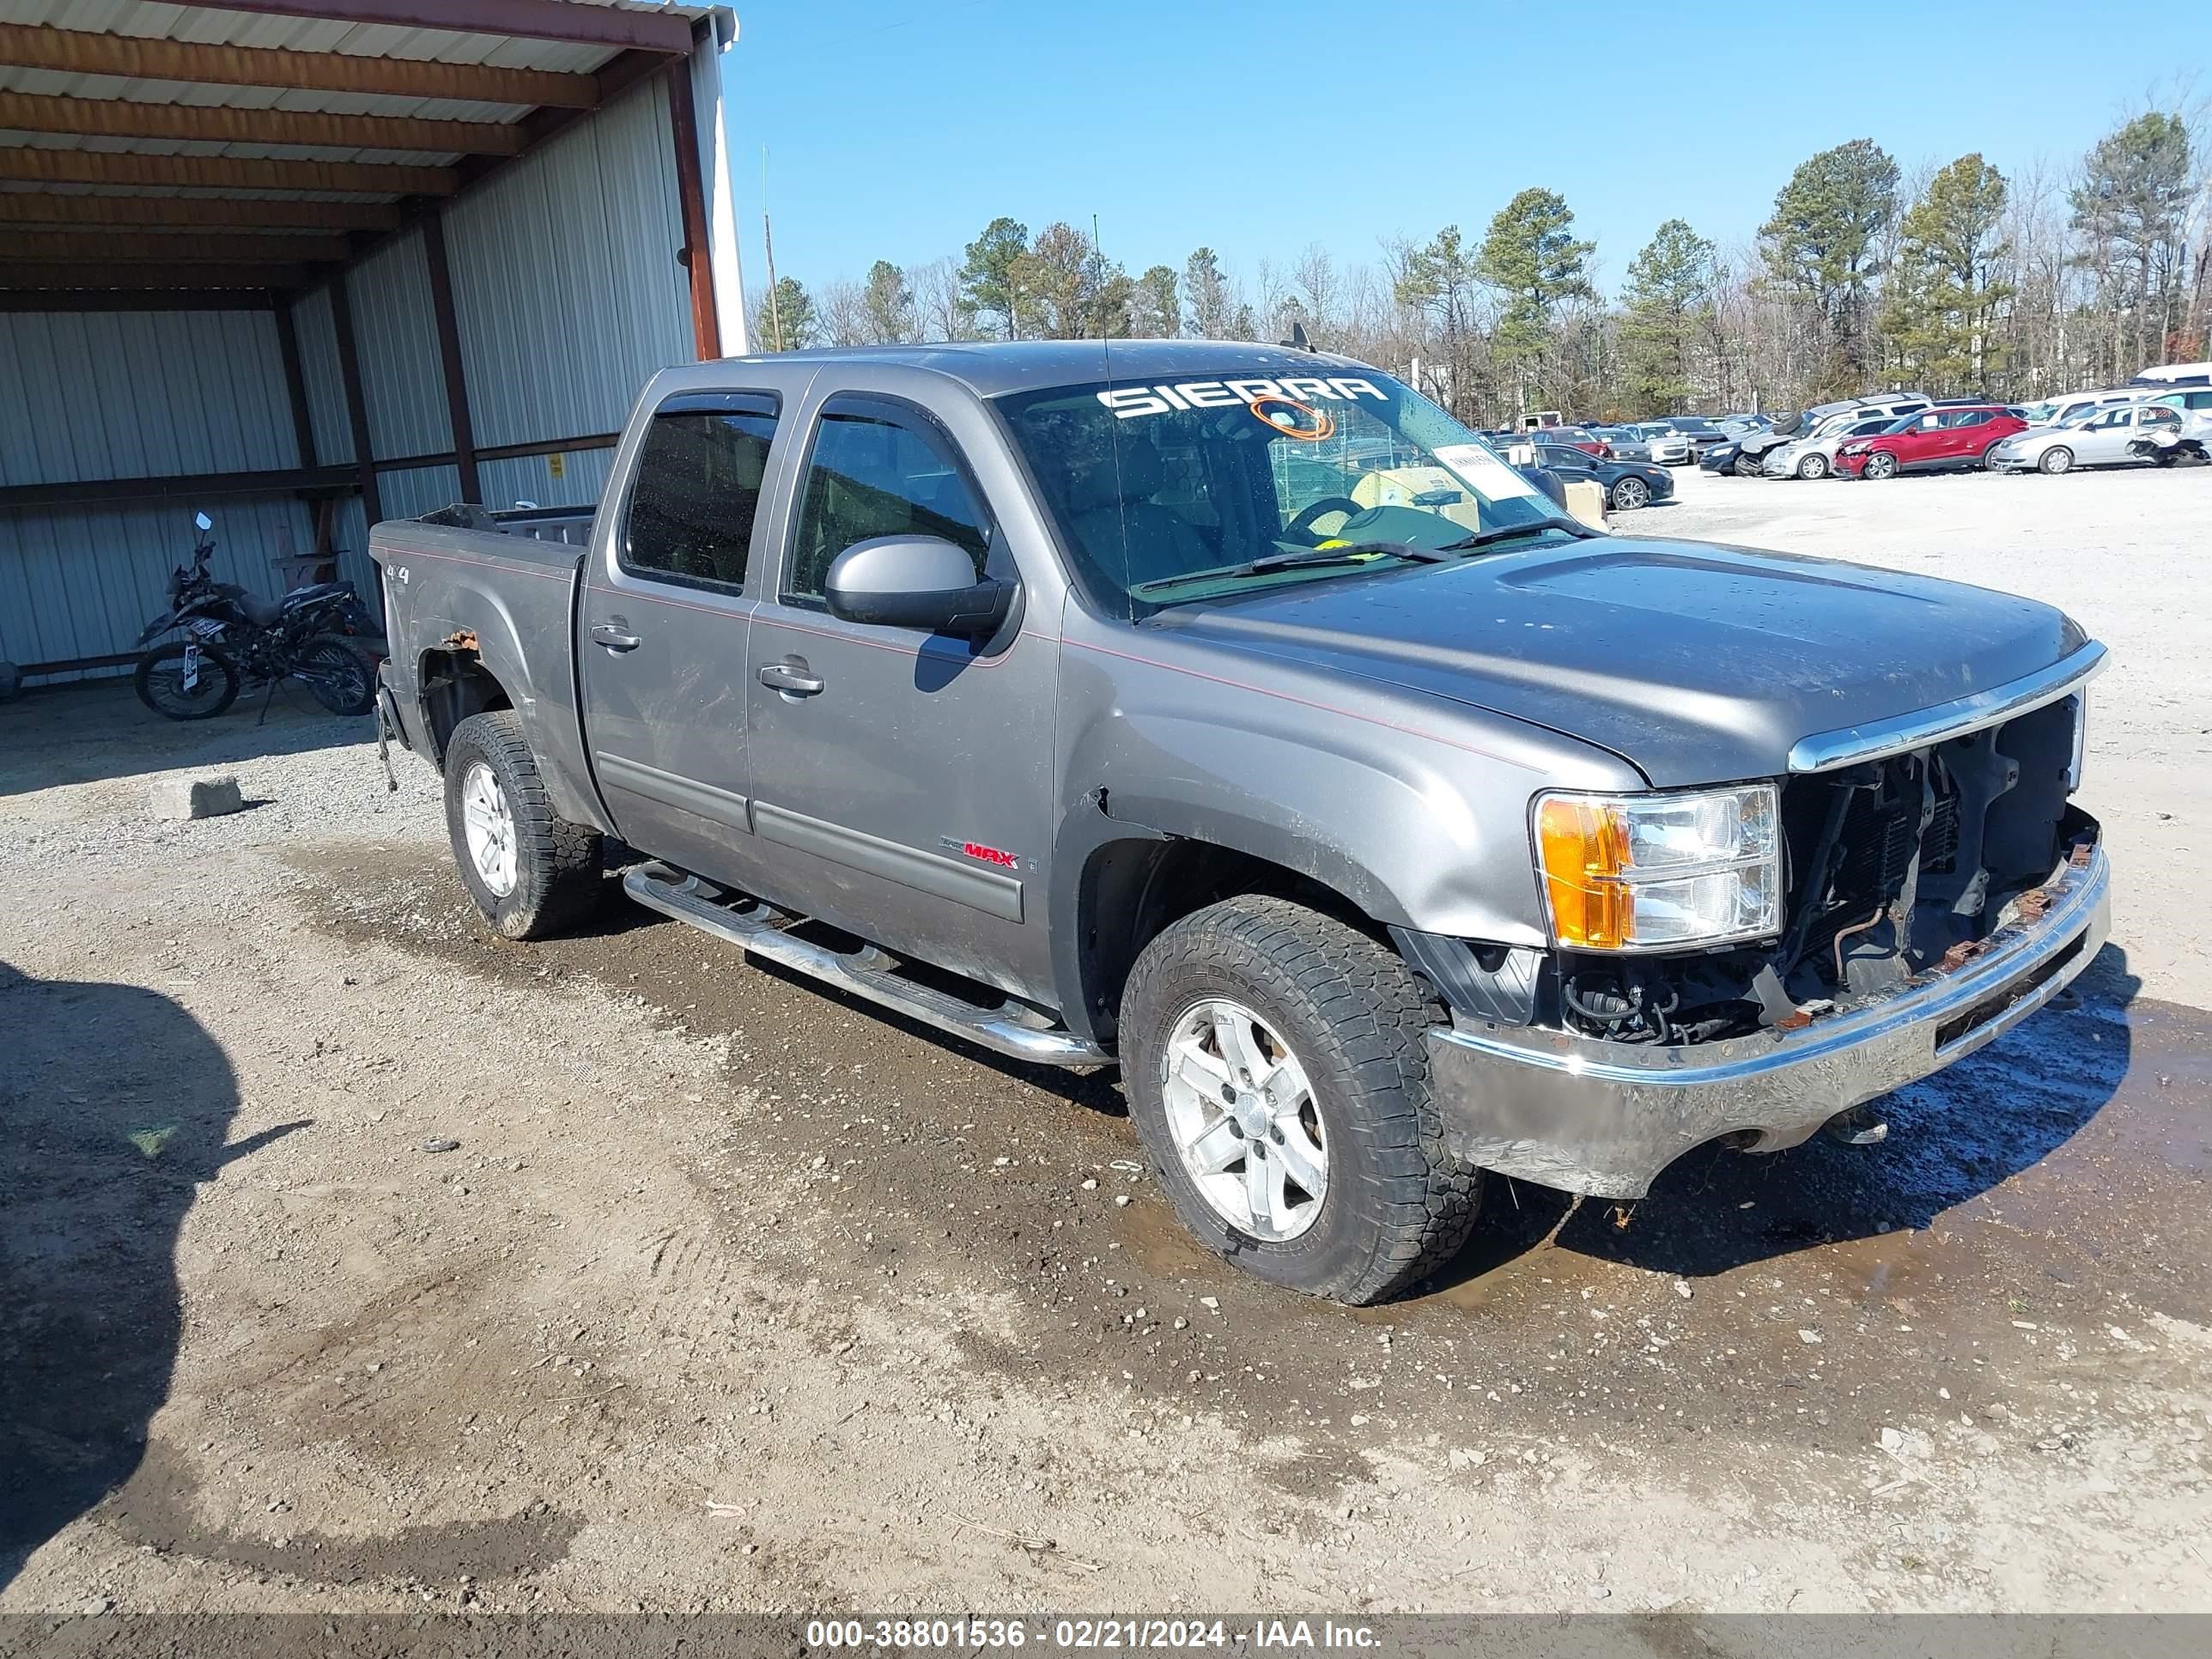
(200, 26)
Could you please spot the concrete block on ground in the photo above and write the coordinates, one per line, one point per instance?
(197, 798)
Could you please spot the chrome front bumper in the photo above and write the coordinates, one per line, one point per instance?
(1605, 1118)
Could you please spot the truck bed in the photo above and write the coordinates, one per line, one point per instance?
(500, 588)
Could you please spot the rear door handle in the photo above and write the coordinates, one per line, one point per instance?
(610, 635)
(791, 676)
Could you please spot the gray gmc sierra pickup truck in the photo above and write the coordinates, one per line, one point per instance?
(1233, 714)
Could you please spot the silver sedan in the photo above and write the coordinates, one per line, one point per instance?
(2100, 439)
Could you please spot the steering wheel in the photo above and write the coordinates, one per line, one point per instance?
(1303, 524)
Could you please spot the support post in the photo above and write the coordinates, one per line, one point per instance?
(364, 453)
(696, 253)
(449, 354)
(295, 383)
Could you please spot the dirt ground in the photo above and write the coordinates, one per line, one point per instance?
(725, 1294)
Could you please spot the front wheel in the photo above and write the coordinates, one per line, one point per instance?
(1749, 466)
(530, 872)
(1813, 466)
(1277, 1071)
(1881, 464)
(2056, 459)
(185, 680)
(1630, 494)
(338, 675)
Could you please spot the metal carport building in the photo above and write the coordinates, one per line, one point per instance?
(309, 263)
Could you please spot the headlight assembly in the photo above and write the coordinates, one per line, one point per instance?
(1659, 872)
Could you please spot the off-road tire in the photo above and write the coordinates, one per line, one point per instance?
(354, 690)
(557, 863)
(1399, 1205)
(212, 662)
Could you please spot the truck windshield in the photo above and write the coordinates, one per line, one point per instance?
(1169, 494)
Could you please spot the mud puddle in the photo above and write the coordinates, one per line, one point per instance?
(2028, 1203)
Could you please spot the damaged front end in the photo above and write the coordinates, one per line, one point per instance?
(1935, 896)
(1896, 868)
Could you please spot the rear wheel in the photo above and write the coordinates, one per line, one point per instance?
(1629, 494)
(530, 872)
(1278, 1072)
(338, 673)
(1813, 466)
(2056, 459)
(1989, 456)
(185, 680)
(1881, 464)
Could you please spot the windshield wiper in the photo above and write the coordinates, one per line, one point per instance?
(1507, 532)
(1352, 553)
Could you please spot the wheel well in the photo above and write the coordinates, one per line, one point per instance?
(455, 686)
(1133, 889)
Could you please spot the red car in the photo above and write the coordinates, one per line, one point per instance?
(1950, 435)
(1576, 437)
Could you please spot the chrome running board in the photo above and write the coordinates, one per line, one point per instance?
(1010, 1029)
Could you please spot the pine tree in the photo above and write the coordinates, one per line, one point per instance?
(1941, 303)
(1669, 302)
(1207, 292)
(988, 281)
(1155, 310)
(889, 304)
(784, 320)
(1531, 257)
(1824, 241)
(2132, 204)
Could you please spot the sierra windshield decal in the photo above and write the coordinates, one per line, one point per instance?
(1130, 401)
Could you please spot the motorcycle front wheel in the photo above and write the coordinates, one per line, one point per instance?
(338, 674)
(182, 687)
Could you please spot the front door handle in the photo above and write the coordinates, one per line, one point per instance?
(611, 634)
(791, 676)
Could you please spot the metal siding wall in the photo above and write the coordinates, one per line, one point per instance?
(81, 581)
(530, 478)
(130, 394)
(418, 490)
(565, 285)
(89, 395)
(396, 329)
(317, 328)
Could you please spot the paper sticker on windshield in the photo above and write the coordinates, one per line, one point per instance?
(1478, 466)
(1128, 402)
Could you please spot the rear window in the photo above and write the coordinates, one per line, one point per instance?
(697, 491)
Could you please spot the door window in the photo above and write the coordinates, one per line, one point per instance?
(879, 468)
(1974, 418)
(698, 489)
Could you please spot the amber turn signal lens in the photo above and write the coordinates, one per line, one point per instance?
(1581, 844)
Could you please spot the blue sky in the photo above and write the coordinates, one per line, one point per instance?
(897, 130)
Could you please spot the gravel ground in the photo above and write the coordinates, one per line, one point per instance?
(732, 1294)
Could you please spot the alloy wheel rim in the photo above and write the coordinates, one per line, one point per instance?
(1245, 1123)
(488, 823)
(1632, 493)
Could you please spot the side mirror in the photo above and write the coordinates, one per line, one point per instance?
(915, 581)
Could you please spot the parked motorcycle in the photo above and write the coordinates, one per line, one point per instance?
(323, 637)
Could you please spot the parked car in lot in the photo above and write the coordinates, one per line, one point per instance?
(1623, 443)
(1667, 445)
(2195, 408)
(2100, 438)
(1814, 456)
(1383, 827)
(1934, 440)
(1574, 437)
(1627, 484)
(1702, 433)
(2078, 406)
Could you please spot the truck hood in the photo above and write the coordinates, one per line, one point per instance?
(1695, 663)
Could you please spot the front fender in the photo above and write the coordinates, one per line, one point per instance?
(161, 625)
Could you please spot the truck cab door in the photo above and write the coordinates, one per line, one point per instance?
(661, 646)
(902, 780)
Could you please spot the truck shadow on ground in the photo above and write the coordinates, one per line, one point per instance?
(1952, 1138)
(115, 1104)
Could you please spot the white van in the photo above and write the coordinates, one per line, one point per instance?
(2078, 405)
